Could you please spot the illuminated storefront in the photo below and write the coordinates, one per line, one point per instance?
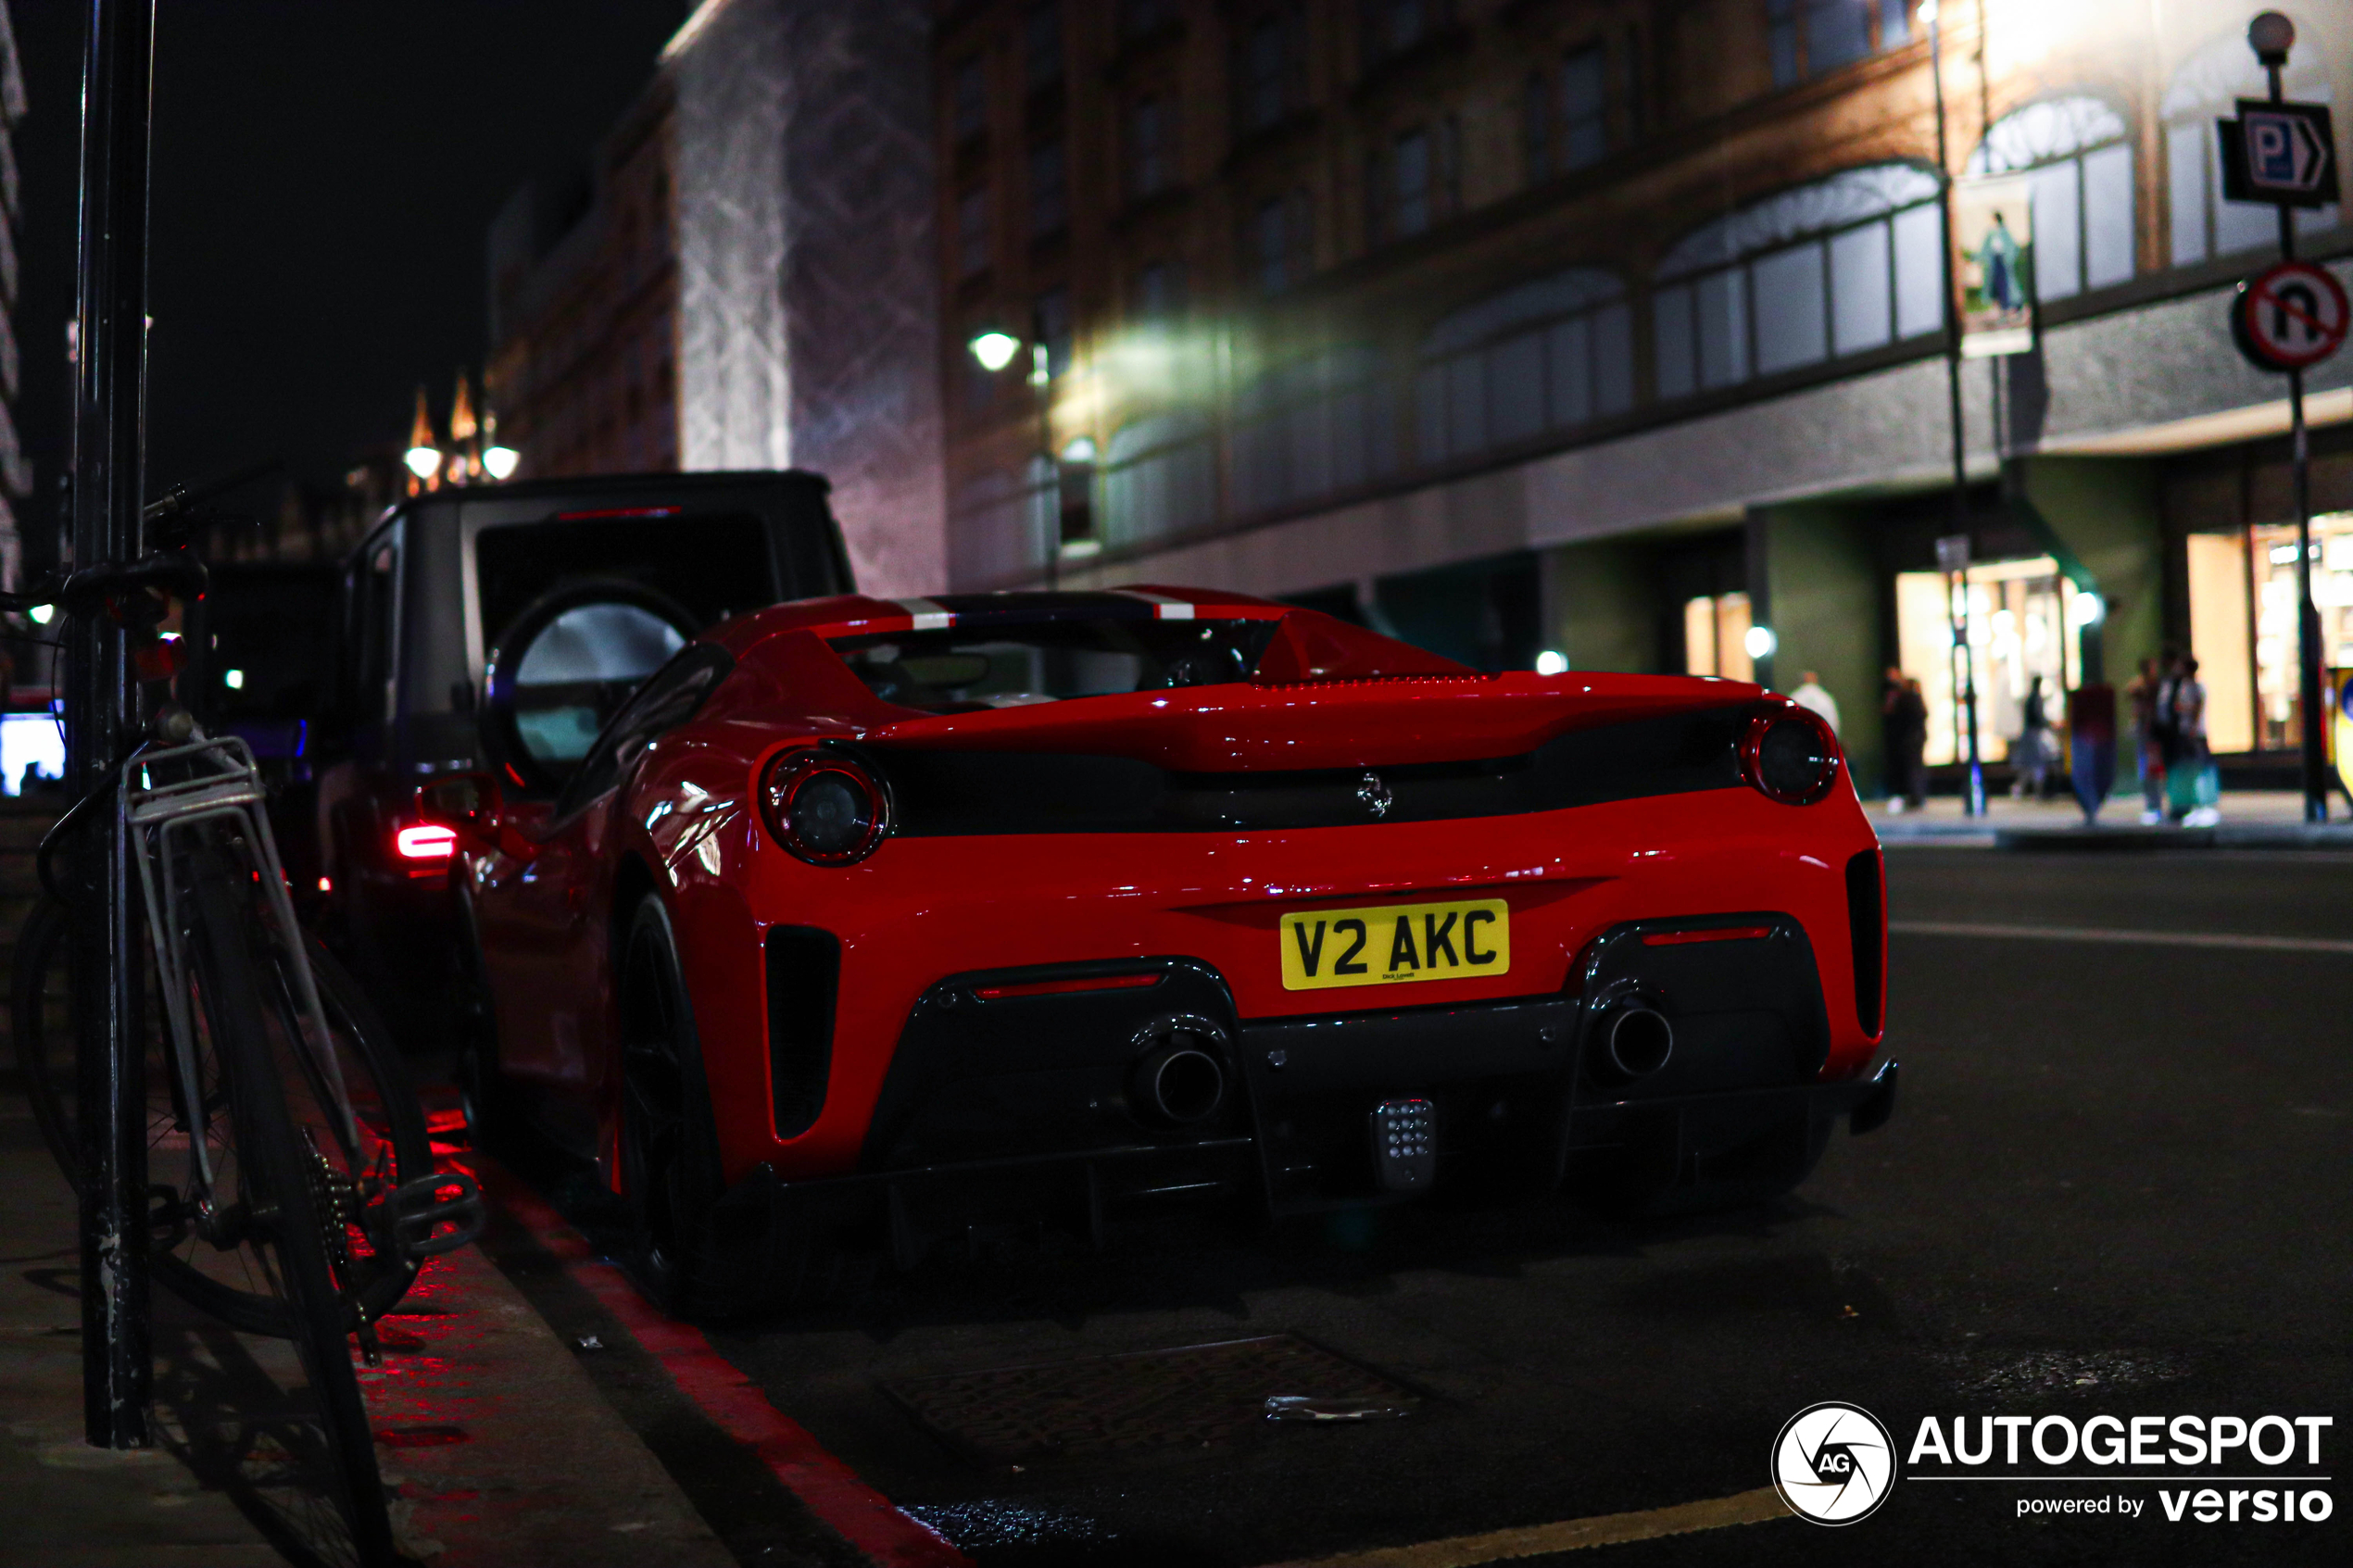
(2021, 617)
(1716, 636)
(2242, 589)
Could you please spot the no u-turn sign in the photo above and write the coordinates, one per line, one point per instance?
(2289, 316)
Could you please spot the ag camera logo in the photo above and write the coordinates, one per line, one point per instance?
(1833, 1463)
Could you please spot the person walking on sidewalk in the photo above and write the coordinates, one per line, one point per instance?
(1811, 696)
(2033, 755)
(2193, 786)
(2091, 740)
(2143, 694)
(1906, 748)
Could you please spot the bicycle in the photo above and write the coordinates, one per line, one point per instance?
(306, 1197)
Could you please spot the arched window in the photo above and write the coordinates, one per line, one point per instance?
(2206, 89)
(1545, 355)
(2080, 164)
(1310, 427)
(1846, 264)
(1159, 477)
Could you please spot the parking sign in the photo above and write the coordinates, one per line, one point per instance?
(2284, 155)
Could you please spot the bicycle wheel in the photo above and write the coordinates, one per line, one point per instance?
(392, 1145)
(277, 1220)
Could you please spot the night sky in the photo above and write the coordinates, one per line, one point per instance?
(325, 171)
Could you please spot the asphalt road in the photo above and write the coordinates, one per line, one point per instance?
(2116, 1182)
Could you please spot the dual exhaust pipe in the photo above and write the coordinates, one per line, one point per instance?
(1630, 1041)
(1179, 1081)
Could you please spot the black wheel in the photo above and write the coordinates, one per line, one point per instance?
(386, 1146)
(276, 1214)
(670, 1173)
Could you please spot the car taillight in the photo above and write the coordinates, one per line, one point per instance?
(428, 841)
(1790, 756)
(825, 806)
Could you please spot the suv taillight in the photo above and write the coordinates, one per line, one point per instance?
(1789, 755)
(825, 806)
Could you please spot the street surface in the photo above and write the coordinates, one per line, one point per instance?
(2115, 1184)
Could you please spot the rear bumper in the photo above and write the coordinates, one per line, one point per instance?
(1018, 1090)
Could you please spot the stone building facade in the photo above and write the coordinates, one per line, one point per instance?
(1612, 330)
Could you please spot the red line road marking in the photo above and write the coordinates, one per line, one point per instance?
(832, 1491)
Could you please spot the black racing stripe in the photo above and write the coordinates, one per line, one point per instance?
(959, 794)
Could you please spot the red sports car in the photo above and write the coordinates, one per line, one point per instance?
(891, 915)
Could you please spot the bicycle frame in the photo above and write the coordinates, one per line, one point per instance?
(222, 785)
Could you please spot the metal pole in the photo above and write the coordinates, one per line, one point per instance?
(109, 398)
(1973, 795)
(2309, 683)
(1041, 388)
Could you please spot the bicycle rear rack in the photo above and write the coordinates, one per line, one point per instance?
(219, 782)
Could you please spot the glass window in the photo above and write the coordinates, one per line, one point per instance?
(1550, 354)
(1825, 269)
(1392, 27)
(1807, 38)
(2221, 638)
(1150, 148)
(1051, 319)
(1412, 163)
(1838, 32)
(1716, 637)
(1268, 79)
(1311, 428)
(972, 231)
(1536, 130)
(1049, 190)
(1584, 103)
(970, 93)
(2079, 158)
(1141, 19)
(2206, 87)
(2279, 710)
(708, 568)
(964, 671)
(2021, 627)
(1158, 478)
(1042, 45)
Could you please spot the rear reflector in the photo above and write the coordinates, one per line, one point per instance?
(1060, 988)
(429, 841)
(1720, 934)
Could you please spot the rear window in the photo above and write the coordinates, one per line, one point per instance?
(961, 670)
(709, 566)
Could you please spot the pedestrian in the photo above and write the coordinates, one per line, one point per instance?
(1907, 730)
(2091, 740)
(2142, 693)
(1811, 697)
(1891, 693)
(2032, 756)
(2193, 786)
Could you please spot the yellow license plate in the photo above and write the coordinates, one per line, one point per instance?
(1390, 944)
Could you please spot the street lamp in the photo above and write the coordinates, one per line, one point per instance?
(995, 349)
(423, 455)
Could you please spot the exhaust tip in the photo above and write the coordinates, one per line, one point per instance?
(1177, 1082)
(1636, 1041)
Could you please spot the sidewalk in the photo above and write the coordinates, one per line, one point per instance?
(2253, 819)
(498, 1450)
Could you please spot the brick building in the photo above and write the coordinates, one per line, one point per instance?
(1613, 329)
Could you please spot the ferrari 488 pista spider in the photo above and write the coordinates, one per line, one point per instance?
(886, 915)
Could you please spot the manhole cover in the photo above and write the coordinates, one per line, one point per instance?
(1186, 1397)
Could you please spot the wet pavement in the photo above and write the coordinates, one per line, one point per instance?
(2115, 1184)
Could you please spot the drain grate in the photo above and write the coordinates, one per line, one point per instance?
(1155, 1399)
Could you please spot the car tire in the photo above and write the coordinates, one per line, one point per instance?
(697, 1249)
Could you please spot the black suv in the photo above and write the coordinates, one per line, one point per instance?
(498, 629)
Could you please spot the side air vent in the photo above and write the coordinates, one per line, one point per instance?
(804, 970)
(1867, 926)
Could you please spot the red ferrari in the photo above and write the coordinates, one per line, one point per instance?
(888, 916)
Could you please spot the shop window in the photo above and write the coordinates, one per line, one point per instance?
(1716, 637)
(2222, 637)
(1158, 477)
(2080, 162)
(1049, 190)
(1151, 147)
(1809, 37)
(1316, 426)
(1552, 354)
(1846, 264)
(2264, 599)
(2207, 87)
(1585, 107)
(2023, 621)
